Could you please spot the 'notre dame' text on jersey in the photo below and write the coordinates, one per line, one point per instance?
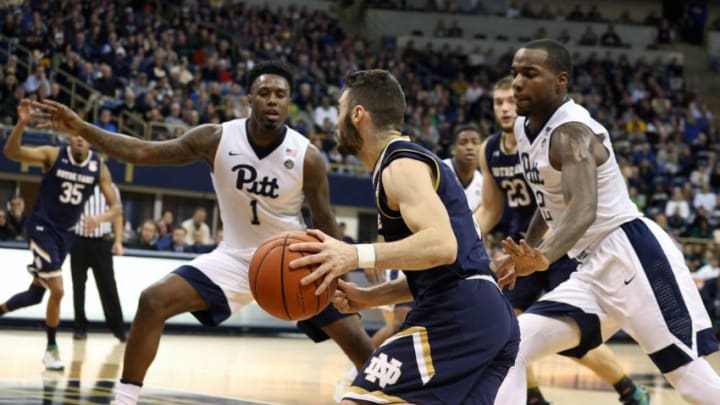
(614, 206)
(65, 188)
(507, 172)
(260, 193)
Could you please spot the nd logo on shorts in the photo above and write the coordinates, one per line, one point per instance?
(383, 370)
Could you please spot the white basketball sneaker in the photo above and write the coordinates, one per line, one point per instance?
(52, 361)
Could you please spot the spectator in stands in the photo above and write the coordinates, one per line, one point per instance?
(594, 14)
(440, 30)
(610, 37)
(7, 232)
(164, 236)
(38, 82)
(678, 205)
(700, 227)
(197, 223)
(564, 36)
(106, 121)
(177, 243)
(588, 37)
(700, 175)
(576, 14)
(664, 33)
(17, 216)
(325, 111)
(168, 216)
(455, 30)
(147, 238)
(705, 198)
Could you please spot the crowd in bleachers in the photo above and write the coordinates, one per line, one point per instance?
(184, 65)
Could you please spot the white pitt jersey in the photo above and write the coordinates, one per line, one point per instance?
(614, 205)
(473, 192)
(258, 197)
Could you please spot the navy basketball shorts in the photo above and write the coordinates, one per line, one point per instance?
(49, 247)
(454, 348)
(530, 288)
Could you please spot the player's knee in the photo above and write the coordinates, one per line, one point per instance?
(152, 303)
(35, 294)
(56, 293)
(696, 382)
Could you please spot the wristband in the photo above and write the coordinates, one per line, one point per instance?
(366, 255)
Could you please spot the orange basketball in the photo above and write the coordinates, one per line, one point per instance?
(276, 288)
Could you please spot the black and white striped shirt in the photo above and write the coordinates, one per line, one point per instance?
(96, 205)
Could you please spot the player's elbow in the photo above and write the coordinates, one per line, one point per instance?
(10, 152)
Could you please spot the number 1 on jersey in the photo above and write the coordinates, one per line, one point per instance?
(255, 220)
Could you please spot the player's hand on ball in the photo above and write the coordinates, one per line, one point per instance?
(333, 258)
(526, 259)
(349, 298)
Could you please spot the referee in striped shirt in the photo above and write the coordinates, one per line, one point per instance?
(93, 248)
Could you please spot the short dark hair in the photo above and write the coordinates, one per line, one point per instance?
(462, 128)
(273, 67)
(380, 93)
(559, 59)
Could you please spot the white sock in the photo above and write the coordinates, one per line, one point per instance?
(127, 394)
(351, 373)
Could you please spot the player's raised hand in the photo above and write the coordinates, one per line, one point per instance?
(53, 115)
(526, 259)
(333, 258)
(350, 298)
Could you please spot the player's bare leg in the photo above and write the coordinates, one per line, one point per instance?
(349, 334)
(168, 297)
(51, 360)
(603, 362)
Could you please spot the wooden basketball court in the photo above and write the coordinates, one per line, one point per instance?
(285, 369)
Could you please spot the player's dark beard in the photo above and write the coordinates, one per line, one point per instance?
(350, 141)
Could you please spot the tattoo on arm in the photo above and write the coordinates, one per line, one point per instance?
(197, 143)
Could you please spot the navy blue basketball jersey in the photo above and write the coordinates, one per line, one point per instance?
(65, 188)
(471, 256)
(508, 174)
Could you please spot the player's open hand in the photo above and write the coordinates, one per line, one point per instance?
(53, 115)
(350, 298)
(526, 259)
(333, 258)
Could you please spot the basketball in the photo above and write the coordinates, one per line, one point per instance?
(276, 288)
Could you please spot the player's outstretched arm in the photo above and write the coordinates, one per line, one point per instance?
(14, 150)
(197, 143)
(350, 298)
(317, 193)
(573, 151)
(489, 213)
